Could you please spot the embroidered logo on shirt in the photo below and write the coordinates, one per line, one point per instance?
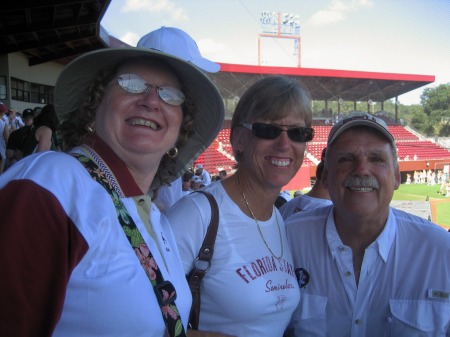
(439, 294)
(302, 277)
(280, 302)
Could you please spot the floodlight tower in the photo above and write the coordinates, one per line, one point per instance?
(280, 26)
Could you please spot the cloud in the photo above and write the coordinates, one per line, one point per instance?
(337, 11)
(214, 51)
(210, 47)
(163, 7)
(130, 38)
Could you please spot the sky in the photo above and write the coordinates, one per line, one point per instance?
(391, 36)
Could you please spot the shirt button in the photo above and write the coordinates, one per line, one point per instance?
(358, 322)
(347, 273)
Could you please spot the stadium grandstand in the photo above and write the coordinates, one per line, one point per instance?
(39, 38)
(415, 152)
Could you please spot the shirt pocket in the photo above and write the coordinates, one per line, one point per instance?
(419, 318)
(309, 319)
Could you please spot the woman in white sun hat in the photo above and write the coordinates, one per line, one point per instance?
(92, 256)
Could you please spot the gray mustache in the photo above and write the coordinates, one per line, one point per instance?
(369, 182)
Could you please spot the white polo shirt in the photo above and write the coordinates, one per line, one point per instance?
(404, 285)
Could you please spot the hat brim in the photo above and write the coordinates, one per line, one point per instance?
(208, 120)
(361, 122)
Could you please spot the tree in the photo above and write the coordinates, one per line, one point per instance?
(436, 106)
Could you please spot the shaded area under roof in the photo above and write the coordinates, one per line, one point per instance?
(324, 84)
(52, 30)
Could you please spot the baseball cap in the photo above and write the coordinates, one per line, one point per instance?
(360, 119)
(199, 166)
(27, 113)
(196, 179)
(2, 107)
(176, 42)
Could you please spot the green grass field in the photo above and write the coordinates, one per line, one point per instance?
(418, 192)
(423, 192)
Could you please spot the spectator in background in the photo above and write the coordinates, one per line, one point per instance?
(203, 174)
(42, 135)
(364, 268)
(317, 197)
(222, 174)
(196, 183)
(4, 135)
(282, 199)
(186, 183)
(14, 147)
(13, 120)
(298, 193)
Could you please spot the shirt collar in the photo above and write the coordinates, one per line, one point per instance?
(117, 167)
(383, 242)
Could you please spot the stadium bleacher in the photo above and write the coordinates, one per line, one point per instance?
(410, 147)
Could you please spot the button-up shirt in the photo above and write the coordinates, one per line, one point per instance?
(404, 284)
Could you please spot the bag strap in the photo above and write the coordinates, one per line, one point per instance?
(164, 290)
(203, 261)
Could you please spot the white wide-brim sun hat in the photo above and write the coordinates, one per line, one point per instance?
(208, 121)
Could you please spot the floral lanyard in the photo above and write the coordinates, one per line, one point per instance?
(164, 290)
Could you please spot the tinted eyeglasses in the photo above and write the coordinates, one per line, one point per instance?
(298, 134)
(135, 84)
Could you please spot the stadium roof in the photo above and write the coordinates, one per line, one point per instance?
(58, 31)
(49, 30)
(324, 84)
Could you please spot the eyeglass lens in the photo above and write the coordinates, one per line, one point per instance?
(272, 131)
(135, 84)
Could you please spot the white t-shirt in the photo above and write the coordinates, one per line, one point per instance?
(404, 285)
(247, 292)
(206, 178)
(169, 194)
(2, 139)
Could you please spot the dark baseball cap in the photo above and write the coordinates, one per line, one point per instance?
(360, 119)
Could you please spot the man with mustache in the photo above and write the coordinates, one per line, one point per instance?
(364, 268)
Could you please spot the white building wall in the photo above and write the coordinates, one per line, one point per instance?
(45, 73)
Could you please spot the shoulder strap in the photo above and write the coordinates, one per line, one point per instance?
(203, 261)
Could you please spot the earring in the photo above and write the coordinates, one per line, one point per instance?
(173, 152)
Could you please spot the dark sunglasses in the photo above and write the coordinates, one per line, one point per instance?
(298, 134)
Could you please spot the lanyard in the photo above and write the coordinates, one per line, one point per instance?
(164, 290)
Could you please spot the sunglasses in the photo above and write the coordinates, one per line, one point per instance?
(135, 84)
(298, 134)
